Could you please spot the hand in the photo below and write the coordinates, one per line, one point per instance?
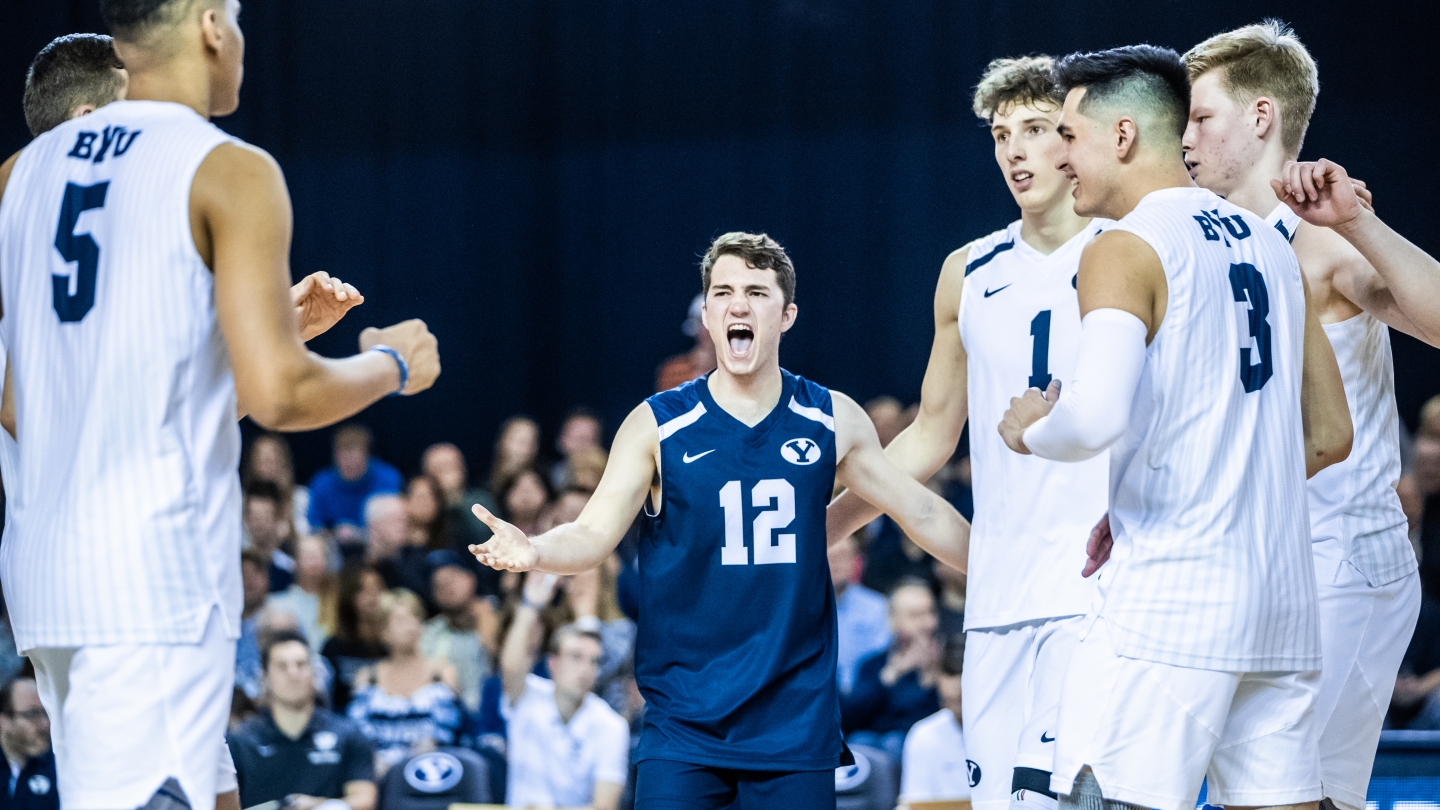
(414, 343)
(1321, 193)
(540, 587)
(299, 801)
(508, 550)
(1098, 549)
(1363, 192)
(1408, 691)
(1026, 410)
(320, 302)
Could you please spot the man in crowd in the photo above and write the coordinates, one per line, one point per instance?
(935, 768)
(255, 588)
(567, 747)
(302, 599)
(25, 736)
(267, 525)
(338, 493)
(860, 613)
(580, 432)
(446, 464)
(895, 688)
(385, 528)
(295, 752)
(454, 635)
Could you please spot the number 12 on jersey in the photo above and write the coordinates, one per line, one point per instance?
(769, 546)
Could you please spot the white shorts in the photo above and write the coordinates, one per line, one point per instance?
(1011, 684)
(1363, 633)
(124, 718)
(1152, 732)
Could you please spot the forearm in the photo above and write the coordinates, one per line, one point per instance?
(572, 549)
(1411, 275)
(1324, 411)
(936, 527)
(360, 795)
(1094, 408)
(314, 391)
(920, 451)
(516, 659)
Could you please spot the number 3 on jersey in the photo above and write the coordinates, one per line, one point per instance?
(769, 547)
(1252, 300)
(80, 248)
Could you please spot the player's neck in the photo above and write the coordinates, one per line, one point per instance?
(567, 703)
(1049, 229)
(1254, 193)
(176, 81)
(748, 398)
(1147, 179)
(292, 720)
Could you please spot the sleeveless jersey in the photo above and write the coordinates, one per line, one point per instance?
(126, 522)
(1211, 567)
(736, 647)
(1355, 501)
(1020, 324)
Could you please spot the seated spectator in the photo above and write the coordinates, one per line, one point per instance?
(425, 514)
(458, 635)
(255, 590)
(356, 643)
(270, 460)
(895, 688)
(952, 599)
(524, 500)
(585, 469)
(891, 557)
(446, 464)
(934, 767)
(566, 746)
(11, 661)
(272, 622)
(25, 736)
(517, 447)
(861, 614)
(338, 493)
(888, 416)
(390, 550)
(683, 368)
(294, 752)
(311, 598)
(580, 431)
(267, 527)
(1415, 703)
(406, 703)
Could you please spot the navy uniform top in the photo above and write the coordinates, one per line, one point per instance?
(328, 753)
(34, 787)
(737, 639)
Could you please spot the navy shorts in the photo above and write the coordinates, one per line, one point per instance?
(662, 784)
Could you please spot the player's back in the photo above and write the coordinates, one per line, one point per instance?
(737, 638)
(127, 516)
(1212, 565)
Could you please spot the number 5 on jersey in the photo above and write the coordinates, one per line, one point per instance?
(769, 547)
(80, 248)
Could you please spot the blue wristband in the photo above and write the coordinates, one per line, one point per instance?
(399, 361)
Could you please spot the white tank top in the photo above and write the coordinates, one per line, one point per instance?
(1020, 324)
(126, 521)
(1211, 566)
(1355, 501)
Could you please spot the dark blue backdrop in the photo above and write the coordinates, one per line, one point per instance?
(537, 179)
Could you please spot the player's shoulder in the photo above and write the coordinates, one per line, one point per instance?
(678, 401)
(981, 252)
(809, 394)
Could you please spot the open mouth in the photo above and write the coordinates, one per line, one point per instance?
(740, 337)
(1021, 179)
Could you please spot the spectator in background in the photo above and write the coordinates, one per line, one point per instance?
(25, 737)
(356, 643)
(891, 557)
(425, 513)
(255, 590)
(861, 614)
(390, 550)
(338, 493)
(934, 767)
(271, 623)
(1426, 478)
(1430, 418)
(311, 599)
(293, 752)
(517, 447)
(586, 467)
(524, 500)
(889, 417)
(267, 527)
(458, 636)
(683, 368)
(446, 464)
(406, 703)
(11, 661)
(580, 432)
(895, 688)
(1415, 703)
(270, 460)
(567, 747)
(951, 609)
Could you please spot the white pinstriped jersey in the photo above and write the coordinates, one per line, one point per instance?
(1211, 566)
(9, 458)
(1355, 501)
(126, 522)
(1020, 324)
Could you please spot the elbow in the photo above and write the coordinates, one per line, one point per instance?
(271, 398)
(1331, 452)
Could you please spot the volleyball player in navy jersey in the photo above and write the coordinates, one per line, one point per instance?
(736, 648)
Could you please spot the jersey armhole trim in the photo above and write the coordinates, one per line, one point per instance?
(813, 414)
(682, 421)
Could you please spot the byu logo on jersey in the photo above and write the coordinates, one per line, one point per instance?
(435, 772)
(800, 451)
(974, 768)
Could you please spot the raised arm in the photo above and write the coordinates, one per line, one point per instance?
(1323, 409)
(517, 654)
(584, 544)
(863, 467)
(240, 216)
(1379, 270)
(923, 448)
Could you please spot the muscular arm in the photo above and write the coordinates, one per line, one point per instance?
(924, 447)
(1323, 409)
(584, 544)
(240, 215)
(925, 517)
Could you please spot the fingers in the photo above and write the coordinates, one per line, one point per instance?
(488, 519)
(1311, 181)
(1052, 393)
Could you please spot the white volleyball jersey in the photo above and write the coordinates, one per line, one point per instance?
(1020, 324)
(9, 458)
(1211, 566)
(1355, 501)
(126, 521)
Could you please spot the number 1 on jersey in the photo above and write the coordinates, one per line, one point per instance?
(1040, 351)
(769, 546)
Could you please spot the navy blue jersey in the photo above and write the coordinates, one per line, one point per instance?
(736, 647)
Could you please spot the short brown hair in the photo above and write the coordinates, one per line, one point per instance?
(757, 250)
(1265, 59)
(351, 436)
(70, 72)
(571, 630)
(1022, 80)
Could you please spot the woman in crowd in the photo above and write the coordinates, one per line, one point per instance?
(270, 460)
(312, 599)
(524, 499)
(406, 703)
(517, 446)
(425, 513)
(356, 643)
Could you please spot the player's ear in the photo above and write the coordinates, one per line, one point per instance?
(1126, 137)
(787, 318)
(212, 29)
(83, 110)
(1265, 115)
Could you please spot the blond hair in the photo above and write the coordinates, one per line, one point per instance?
(400, 599)
(1265, 59)
(1022, 80)
(1430, 418)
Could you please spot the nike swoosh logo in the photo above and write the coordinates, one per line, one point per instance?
(989, 293)
(1045, 739)
(689, 458)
